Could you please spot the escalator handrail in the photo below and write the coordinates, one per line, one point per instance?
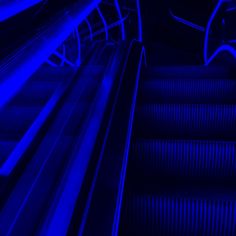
(36, 53)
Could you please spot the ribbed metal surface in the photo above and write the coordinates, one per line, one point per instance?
(188, 90)
(177, 215)
(182, 163)
(184, 158)
(186, 120)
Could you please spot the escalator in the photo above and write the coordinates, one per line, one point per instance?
(24, 115)
(106, 129)
(43, 129)
(180, 178)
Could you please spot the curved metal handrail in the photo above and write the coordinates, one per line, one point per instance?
(223, 48)
(11, 8)
(18, 71)
(186, 22)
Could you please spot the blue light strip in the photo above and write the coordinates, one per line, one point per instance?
(221, 49)
(231, 9)
(39, 50)
(88, 203)
(208, 27)
(90, 29)
(78, 61)
(140, 27)
(113, 25)
(115, 227)
(23, 145)
(186, 22)
(120, 16)
(60, 220)
(13, 7)
(224, 48)
(51, 63)
(103, 21)
(63, 58)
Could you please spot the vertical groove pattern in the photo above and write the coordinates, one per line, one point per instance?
(185, 158)
(182, 166)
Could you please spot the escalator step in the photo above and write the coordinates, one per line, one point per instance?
(194, 121)
(188, 90)
(178, 215)
(184, 158)
(186, 72)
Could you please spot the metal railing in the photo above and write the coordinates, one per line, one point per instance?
(18, 69)
(226, 47)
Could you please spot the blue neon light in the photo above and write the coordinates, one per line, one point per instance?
(40, 49)
(90, 29)
(140, 27)
(120, 16)
(113, 25)
(103, 21)
(223, 48)
(63, 58)
(26, 141)
(208, 27)
(127, 148)
(64, 210)
(78, 61)
(85, 215)
(187, 23)
(11, 8)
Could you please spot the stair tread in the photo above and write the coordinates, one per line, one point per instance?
(187, 91)
(194, 121)
(180, 215)
(182, 163)
(190, 71)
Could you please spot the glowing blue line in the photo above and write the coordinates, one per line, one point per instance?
(103, 21)
(51, 63)
(121, 17)
(109, 26)
(224, 48)
(85, 215)
(90, 29)
(63, 212)
(230, 9)
(62, 57)
(25, 142)
(37, 53)
(78, 61)
(208, 30)
(11, 8)
(140, 27)
(232, 41)
(127, 148)
(186, 22)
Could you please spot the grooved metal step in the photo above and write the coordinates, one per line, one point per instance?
(193, 72)
(188, 91)
(179, 215)
(188, 121)
(184, 158)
